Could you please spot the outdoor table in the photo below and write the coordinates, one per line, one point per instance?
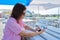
(51, 33)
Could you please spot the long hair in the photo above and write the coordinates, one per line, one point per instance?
(18, 10)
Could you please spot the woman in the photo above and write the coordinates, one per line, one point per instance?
(15, 27)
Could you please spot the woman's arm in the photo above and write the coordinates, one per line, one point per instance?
(30, 34)
(29, 28)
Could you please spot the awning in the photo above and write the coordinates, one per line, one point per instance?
(13, 2)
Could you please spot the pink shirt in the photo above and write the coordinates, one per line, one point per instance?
(12, 29)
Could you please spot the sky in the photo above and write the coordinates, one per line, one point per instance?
(6, 7)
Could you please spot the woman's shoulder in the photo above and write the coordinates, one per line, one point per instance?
(11, 20)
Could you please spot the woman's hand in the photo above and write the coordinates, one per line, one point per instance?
(37, 29)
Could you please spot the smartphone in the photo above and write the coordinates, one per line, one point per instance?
(39, 30)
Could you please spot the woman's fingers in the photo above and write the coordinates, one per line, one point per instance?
(37, 29)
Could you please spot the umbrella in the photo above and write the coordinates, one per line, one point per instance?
(47, 5)
(13, 2)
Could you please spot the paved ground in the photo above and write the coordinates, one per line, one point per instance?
(1, 30)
